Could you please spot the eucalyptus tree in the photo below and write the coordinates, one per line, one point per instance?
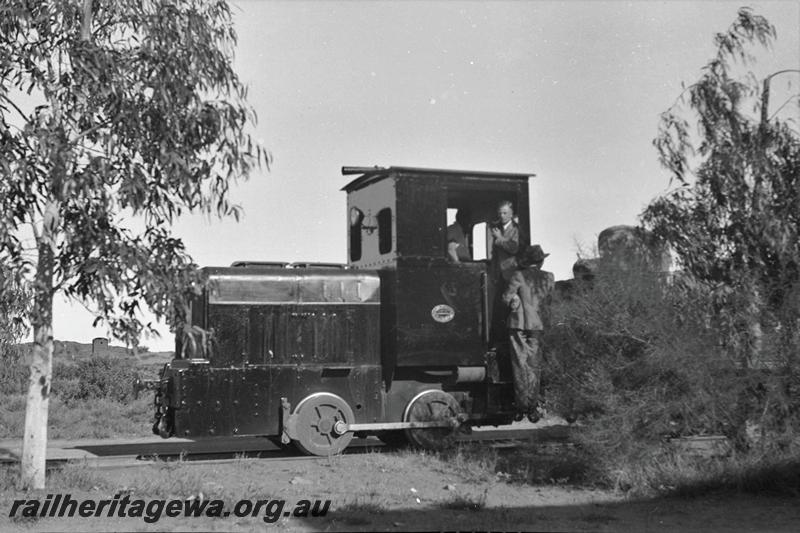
(14, 303)
(733, 216)
(115, 118)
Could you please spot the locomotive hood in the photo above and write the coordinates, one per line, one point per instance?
(269, 285)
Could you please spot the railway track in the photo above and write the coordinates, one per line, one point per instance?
(119, 453)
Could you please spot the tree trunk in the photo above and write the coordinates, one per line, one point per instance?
(34, 442)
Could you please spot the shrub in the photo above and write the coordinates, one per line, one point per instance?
(65, 370)
(642, 359)
(12, 415)
(69, 390)
(13, 373)
(97, 377)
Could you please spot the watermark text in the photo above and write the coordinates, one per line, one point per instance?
(151, 511)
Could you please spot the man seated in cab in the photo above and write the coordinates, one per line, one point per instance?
(457, 243)
(528, 295)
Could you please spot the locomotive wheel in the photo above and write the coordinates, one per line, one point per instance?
(432, 405)
(316, 417)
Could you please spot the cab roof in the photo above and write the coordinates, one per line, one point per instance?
(369, 175)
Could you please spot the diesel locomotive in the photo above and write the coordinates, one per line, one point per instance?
(396, 343)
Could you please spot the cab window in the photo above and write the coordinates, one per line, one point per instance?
(384, 230)
(356, 221)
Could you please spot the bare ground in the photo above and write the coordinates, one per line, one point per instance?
(396, 492)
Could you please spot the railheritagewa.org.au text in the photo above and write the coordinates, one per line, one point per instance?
(152, 510)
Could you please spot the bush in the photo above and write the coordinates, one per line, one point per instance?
(81, 419)
(12, 415)
(92, 419)
(98, 377)
(13, 373)
(69, 390)
(641, 359)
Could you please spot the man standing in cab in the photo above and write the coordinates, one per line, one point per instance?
(506, 241)
(528, 295)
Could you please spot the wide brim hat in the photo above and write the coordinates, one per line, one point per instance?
(532, 255)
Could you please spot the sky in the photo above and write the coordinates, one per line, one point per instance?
(568, 91)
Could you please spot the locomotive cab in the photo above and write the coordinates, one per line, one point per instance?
(436, 314)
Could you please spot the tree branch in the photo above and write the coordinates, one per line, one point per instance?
(86, 23)
(783, 105)
(36, 235)
(88, 132)
(23, 115)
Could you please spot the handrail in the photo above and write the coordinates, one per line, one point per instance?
(485, 303)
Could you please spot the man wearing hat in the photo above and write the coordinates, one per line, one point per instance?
(528, 294)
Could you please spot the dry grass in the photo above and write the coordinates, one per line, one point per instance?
(531, 465)
(69, 477)
(81, 419)
(658, 470)
(466, 501)
(361, 510)
(173, 479)
(474, 463)
(76, 476)
(761, 472)
(181, 479)
(470, 462)
(91, 397)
